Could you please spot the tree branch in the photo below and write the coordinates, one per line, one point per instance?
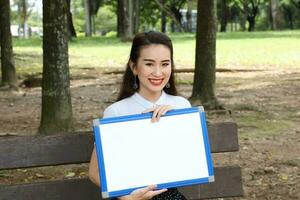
(168, 12)
(296, 3)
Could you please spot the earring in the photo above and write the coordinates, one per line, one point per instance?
(135, 85)
(168, 85)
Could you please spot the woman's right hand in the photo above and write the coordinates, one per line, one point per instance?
(143, 193)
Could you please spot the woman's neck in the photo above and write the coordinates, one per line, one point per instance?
(150, 96)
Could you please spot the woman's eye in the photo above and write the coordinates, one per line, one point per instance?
(148, 64)
(165, 64)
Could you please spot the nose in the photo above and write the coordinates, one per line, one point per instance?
(157, 71)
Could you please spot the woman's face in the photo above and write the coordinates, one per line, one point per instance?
(153, 69)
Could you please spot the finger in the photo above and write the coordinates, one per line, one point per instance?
(167, 109)
(160, 112)
(124, 197)
(151, 194)
(144, 190)
(163, 111)
(149, 110)
(154, 114)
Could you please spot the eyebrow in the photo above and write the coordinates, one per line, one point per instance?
(154, 60)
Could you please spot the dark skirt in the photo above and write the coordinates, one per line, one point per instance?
(171, 194)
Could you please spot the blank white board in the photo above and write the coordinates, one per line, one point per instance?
(133, 152)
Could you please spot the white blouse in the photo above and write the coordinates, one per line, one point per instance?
(136, 104)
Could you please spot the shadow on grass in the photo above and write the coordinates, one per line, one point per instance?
(176, 37)
(98, 41)
(259, 35)
(32, 42)
(181, 37)
(79, 41)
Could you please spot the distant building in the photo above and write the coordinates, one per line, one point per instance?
(184, 19)
(14, 29)
(17, 31)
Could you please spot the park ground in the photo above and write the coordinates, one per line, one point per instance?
(264, 100)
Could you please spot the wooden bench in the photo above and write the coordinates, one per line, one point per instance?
(35, 151)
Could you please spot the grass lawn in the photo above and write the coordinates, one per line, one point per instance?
(235, 50)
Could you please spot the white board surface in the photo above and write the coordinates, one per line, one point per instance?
(133, 152)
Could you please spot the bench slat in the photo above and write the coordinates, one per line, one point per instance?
(72, 189)
(34, 151)
(228, 183)
(223, 137)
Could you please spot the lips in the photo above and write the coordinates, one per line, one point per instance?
(156, 82)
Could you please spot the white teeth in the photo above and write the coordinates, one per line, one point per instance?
(156, 80)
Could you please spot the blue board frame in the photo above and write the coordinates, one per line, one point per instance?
(99, 150)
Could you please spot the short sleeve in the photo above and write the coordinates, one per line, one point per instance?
(109, 112)
(186, 103)
(182, 102)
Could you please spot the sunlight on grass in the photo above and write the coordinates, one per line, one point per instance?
(243, 50)
(265, 53)
(258, 124)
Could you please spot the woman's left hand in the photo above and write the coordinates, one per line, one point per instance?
(158, 111)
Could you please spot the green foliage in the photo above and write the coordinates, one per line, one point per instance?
(262, 22)
(106, 20)
(111, 34)
(34, 18)
(95, 5)
(105, 16)
(150, 14)
(77, 9)
(288, 12)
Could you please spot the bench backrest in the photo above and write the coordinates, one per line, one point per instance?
(35, 151)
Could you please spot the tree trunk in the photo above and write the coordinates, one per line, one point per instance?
(205, 69)
(9, 77)
(56, 98)
(288, 14)
(274, 14)
(163, 18)
(173, 26)
(163, 22)
(128, 20)
(189, 15)
(93, 25)
(251, 21)
(243, 22)
(88, 18)
(71, 29)
(120, 20)
(224, 12)
(136, 16)
(270, 16)
(19, 18)
(252, 13)
(24, 18)
(245, 13)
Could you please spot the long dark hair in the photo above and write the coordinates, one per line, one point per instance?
(141, 40)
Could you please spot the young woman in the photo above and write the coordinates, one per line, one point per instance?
(148, 86)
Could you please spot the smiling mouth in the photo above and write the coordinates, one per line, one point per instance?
(156, 82)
